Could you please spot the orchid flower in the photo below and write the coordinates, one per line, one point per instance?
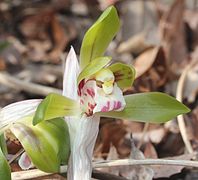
(92, 87)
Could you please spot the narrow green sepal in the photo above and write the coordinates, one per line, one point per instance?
(55, 105)
(99, 35)
(93, 67)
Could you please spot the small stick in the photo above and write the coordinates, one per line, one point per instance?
(180, 119)
(22, 175)
(18, 84)
(145, 129)
(16, 155)
(107, 176)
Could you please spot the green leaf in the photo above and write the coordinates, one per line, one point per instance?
(98, 37)
(124, 74)
(47, 144)
(3, 145)
(4, 45)
(93, 67)
(53, 106)
(5, 173)
(153, 107)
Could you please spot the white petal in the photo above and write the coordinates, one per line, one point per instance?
(93, 99)
(87, 101)
(112, 102)
(25, 162)
(82, 145)
(71, 73)
(17, 111)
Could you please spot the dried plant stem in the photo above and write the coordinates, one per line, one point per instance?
(16, 155)
(146, 126)
(180, 119)
(112, 163)
(18, 84)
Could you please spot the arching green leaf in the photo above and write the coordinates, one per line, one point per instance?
(5, 173)
(151, 107)
(98, 37)
(53, 106)
(124, 74)
(93, 67)
(47, 144)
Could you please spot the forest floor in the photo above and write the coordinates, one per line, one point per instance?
(159, 38)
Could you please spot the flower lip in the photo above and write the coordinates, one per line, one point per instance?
(96, 99)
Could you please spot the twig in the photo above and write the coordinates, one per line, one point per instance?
(112, 163)
(16, 156)
(146, 126)
(180, 119)
(132, 162)
(107, 176)
(18, 84)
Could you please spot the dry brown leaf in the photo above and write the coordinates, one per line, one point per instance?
(173, 36)
(106, 3)
(136, 172)
(154, 77)
(155, 135)
(46, 35)
(11, 58)
(35, 26)
(167, 171)
(113, 155)
(150, 152)
(51, 177)
(191, 83)
(139, 16)
(144, 61)
(2, 64)
(136, 44)
(194, 122)
(113, 133)
(191, 18)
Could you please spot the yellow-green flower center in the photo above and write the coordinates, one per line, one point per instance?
(107, 78)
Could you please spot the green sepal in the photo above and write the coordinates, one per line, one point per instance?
(53, 106)
(4, 45)
(47, 144)
(3, 145)
(124, 74)
(5, 172)
(93, 67)
(153, 107)
(98, 37)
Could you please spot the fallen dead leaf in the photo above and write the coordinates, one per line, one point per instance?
(113, 133)
(144, 61)
(136, 44)
(35, 26)
(173, 35)
(2, 64)
(191, 83)
(149, 151)
(154, 75)
(191, 18)
(139, 172)
(51, 177)
(167, 171)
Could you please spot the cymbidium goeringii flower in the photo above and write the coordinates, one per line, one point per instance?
(92, 88)
(99, 90)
